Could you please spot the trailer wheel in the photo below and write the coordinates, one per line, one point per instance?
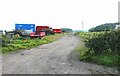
(18, 34)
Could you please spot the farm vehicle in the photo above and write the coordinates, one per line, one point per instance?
(57, 30)
(32, 31)
(17, 34)
(22, 33)
(48, 30)
(29, 30)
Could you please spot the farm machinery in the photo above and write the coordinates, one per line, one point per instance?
(32, 31)
(29, 30)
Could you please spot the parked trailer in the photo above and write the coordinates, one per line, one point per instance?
(29, 30)
(24, 29)
(48, 30)
(40, 32)
(57, 30)
(41, 28)
(37, 35)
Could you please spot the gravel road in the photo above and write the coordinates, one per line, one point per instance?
(58, 57)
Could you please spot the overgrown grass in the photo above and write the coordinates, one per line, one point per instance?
(106, 57)
(29, 43)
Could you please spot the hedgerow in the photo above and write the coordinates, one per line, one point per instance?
(101, 47)
(109, 41)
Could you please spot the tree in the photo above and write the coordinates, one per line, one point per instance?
(104, 27)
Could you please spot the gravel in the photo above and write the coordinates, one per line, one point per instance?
(58, 57)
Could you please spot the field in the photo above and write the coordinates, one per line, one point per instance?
(101, 47)
(27, 43)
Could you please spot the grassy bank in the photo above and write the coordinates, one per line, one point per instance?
(107, 59)
(17, 45)
(101, 48)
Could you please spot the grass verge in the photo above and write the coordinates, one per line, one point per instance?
(108, 59)
(29, 43)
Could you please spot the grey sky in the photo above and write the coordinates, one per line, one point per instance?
(58, 13)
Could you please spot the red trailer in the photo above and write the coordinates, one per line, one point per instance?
(57, 30)
(48, 30)
(41, 28)
(37, 35)
(39, 32)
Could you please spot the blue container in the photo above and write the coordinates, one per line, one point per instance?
(25, 27)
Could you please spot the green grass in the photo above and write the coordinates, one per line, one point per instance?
(108, 57)
(17, 45)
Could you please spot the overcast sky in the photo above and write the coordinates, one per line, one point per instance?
(58, 13)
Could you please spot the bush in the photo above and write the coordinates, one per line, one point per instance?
(109, 41)
(101, 48)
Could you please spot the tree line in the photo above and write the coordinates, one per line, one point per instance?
(104, 27)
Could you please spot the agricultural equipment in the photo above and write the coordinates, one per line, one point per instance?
(17, 33)
(37, 35)
(29, 30)
(57, 30)
(26, 30)
(48, 30)
(23, 30)
(41, 31)
(22, 33)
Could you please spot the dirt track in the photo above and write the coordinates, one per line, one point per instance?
(58, 57)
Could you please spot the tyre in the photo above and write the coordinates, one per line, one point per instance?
(17, 34)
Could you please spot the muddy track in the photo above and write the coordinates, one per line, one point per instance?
(58, 57)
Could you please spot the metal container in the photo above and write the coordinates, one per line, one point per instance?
(27, 27)
(57, 30)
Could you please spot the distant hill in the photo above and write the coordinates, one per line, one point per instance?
(104, 27)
